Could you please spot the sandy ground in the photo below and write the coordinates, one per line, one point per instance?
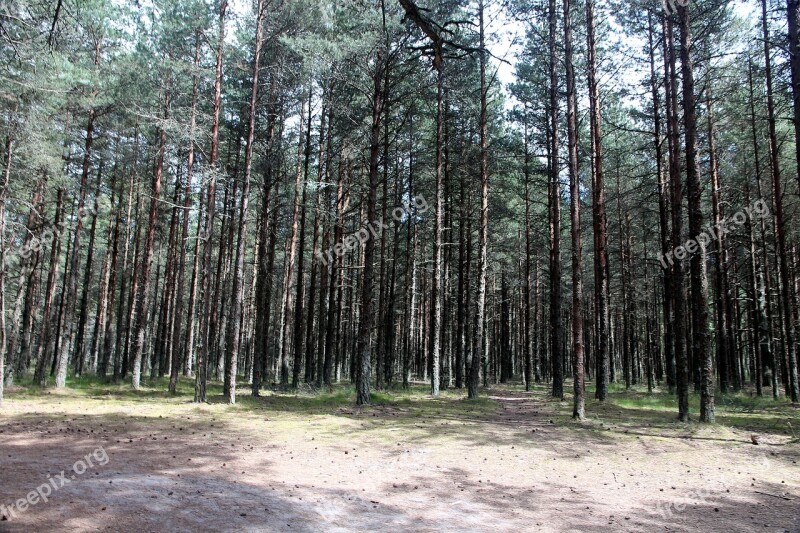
(522, 466)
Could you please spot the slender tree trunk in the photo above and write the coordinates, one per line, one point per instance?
(3, 196)
(314, 364)
(203, 351)
(526, 303)
(288, 274)
(299, 350)
(700, 337)
(80, 348)
(598, 211)
(664, 217)
(554, 206)
(19, 359)
(759, 292)
(723, 319)
(47, 319)
(363, 353)
(234, 322)
(793, 15)
(71, 288)
(780, 231)
(184, 248)
(111, 286)
(678, 287)
(142, 295)
(579, 373)
(483, 241)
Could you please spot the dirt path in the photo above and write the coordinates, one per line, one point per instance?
(524, 467)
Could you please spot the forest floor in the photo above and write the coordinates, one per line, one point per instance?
(512, 461)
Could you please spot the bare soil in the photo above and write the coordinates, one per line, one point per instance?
(518, 463)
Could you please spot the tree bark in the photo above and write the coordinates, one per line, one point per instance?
(598, 210)
(71, 288)
(678, 287)
(483, 241)
(234, 322)
(200, 391)
(554, 206)
(579, 374)
(700, 337)
(3, 195)
(363, 346)
(142, 294)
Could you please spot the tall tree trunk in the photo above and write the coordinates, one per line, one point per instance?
(3, 196)
(664, 215)
(184, 248)
(780, 232)
(18, 359)
(678, 287)
(526, 303)
(234, 322)
(142, 295)
(108, 332)
(759, 261)
(102, 315)
(80, 348)
(311, 367)
(554, 206)
(265, 255)
(288, 273)
(203, 351)
(599, 221)
(723, 319)
(43, 351)
(700, 336)
(71, 288)
(483, 241)
(579, 374)
(363, 353)
(793, 15)
(297, 342)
